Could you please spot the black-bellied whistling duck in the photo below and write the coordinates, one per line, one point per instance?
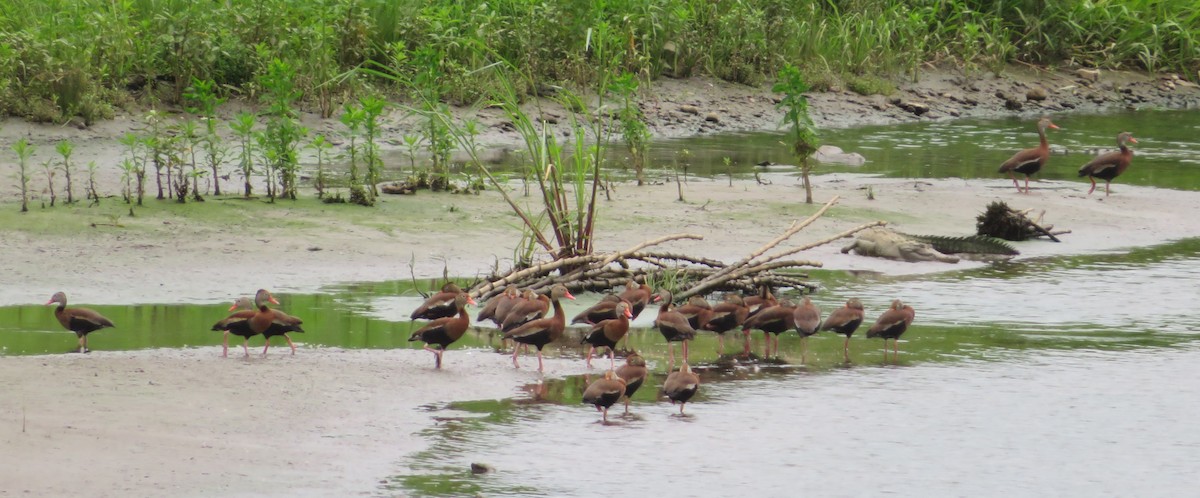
(727, 315)
(697, 311)
(531, 307)
(444, 331)
(439, 305)
(681, 385)
(772, 320)
(601, 311)
(542, 331)
(638, 296)
(845, 321)
(634, 373)
(807, 319)
(499, 305)
(1109, 165)
(81, 321)
(607, 333)
(765, 299)
(238, 324)
(1029, 161)
(673, 325)
(603, 393)
(271, 323)
(892, 324)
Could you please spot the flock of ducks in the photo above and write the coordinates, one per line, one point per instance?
(1106, 166)
(522, 316)
(525, 318)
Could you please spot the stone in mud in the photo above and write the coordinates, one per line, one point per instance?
(712, 117)
(835, 155)
(1036, 94)
(917, 108)
(689, 109)
(1089, 75)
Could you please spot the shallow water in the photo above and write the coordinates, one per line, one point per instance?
(1053, 376)
(1080, 422)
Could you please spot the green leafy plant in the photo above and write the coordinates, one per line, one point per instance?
(803, 132)
(204, 100)
(65, 148)
(633, 123)
(24, 151)
(243, 127)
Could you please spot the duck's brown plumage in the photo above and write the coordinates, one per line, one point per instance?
(498, 306)
(638, 296)
(673, 325)
(439, 305)
(603, 393)
(765, 299)
(237, 323)
(542, 331)
(1030, 161)
(531, 307)
(807, 319)
(603, 310)
(892, 324)
(681, 385)
(772, 320)
(1109, 165)
(727, 315)
(697, 310)
(81, 321)
(845, 321)
(607, 333)
(634, 373)
(270, 322)
(444, 331)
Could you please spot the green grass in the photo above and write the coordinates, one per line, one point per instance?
(83, 58)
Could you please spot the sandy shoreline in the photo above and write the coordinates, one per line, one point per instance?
(331, 422)
(326, 422)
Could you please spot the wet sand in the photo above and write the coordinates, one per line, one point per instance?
(330, 422)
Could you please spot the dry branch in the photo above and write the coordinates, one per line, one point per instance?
(600, 272)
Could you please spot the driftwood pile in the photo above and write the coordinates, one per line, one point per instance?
(689, 275)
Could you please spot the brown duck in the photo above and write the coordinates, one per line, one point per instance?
(634, 373)
(439, 305)
(271, 323)
(697, 310)
(531, 307)
(444, 331)
(845, 321)
(673, 325)
(807, 319)
(542, 331)
(607, 333)
(892, 324)
(681, 385)
(1109, 165)
(772, 320)
(81, 321)
(498, 307)
(238, 324)
(1029, 161)
(638, 296)
(603, 393)
(727, 315)
(601, 311)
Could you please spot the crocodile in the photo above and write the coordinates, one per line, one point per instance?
(885, 243)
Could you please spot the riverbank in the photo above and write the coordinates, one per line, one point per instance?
(329, 422)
